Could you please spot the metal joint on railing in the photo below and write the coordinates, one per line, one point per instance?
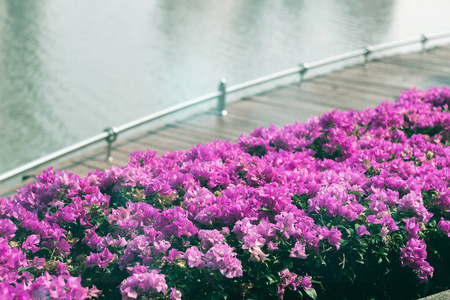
(112, 136)
(303, 69)
(424, 41)
(221, 111)
(368, 51)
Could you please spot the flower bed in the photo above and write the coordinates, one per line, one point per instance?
(351, 204)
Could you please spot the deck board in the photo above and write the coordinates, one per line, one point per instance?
(348, 88)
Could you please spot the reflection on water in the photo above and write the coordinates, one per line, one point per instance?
(373, 18)
(68, 70)
(25, 116)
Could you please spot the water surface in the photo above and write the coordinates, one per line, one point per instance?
(68, 69)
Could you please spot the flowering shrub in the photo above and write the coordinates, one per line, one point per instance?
(348, 205)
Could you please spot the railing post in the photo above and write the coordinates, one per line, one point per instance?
(424, 40)
(366, 57)
(304, 68)
(112, 136)
(221, 111)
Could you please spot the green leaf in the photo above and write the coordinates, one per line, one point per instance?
(45, 248)
(382, 252)
(265, 209)
(311, 293)
(271, 279)
(344, 242)
(56, 257)
(26, 269)
(288, 264)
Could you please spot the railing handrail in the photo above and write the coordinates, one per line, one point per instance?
(111, 133)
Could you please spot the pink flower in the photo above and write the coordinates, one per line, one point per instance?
(253, 239)
(209, 238)
(61, 269)
(413, 227)
(174, 222)
(257, 255)
(298, 251)
(94, 292)
(57, 287)
(173, 255)
(63, 246)
(91, 238)
(100, 259)
(38, 262)
(362, 230)
(136, 284)
(223, 258)
(175, 294)
(7, 229)
(194, 257)
(271, 188)
(334, 237)
(413, 255)
(161, 246)
(286, 278)
(30, 243)
(272, 246)
(305, 282)
(138, 244)
(444, 226)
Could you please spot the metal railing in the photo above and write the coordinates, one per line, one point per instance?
(110, 134)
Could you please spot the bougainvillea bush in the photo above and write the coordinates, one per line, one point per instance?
(351, 205)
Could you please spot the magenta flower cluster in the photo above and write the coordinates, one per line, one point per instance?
(288, 278)
(223, 208)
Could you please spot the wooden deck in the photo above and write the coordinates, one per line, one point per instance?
(349, 88)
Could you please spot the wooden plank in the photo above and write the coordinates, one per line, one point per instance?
(383, 81)
(230, 126)
(144, 143)
(430, 59)
(307, 93)
(348, 96)
(367, 78)
(439, 52)
(345, 98)
(423, 62)
(265, 115)
(347, 85)
(239, 120)
(392, 63)
(202, 136)
(297, 103)
(290, 110)
(420, 66)
(226, 131)
(440, 55)
(161, 145)
(325, 101)
(399, 75)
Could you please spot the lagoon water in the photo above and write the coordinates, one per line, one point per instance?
(68, 69)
